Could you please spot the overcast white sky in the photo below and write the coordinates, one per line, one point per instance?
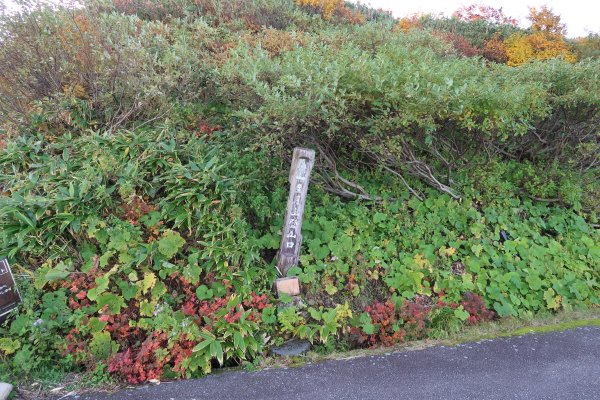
(581, 16)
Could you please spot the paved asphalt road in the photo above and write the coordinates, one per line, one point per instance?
(559, 365)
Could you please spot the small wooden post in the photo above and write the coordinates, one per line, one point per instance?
(291, 238)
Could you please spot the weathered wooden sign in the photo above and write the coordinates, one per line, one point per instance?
(9, 295)
(289, 251)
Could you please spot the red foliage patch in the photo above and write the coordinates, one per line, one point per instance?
(150, 359)
(142, 364)
(410, 321)
(76, 344)
(415, 316)
(257, 303)
(475, 306)
(78, 286)
(206, 311)
(120, 329)
(387, 332)
(460, 44)
(206, 129)
(181, 350)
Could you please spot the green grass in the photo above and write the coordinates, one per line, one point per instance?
(541, 324)
(559, 327)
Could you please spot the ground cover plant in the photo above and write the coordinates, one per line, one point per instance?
(144, 161)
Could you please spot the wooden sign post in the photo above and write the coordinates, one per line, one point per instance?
(9, 296)
(291, 238)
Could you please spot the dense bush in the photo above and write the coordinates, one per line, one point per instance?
(78, 69)
(413, 110)
(143, 180)
(139, 244)
(150, 252)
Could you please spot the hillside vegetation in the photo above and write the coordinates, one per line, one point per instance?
(144, 165)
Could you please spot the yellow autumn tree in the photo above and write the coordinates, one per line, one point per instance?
(547, 40)
(327, 7)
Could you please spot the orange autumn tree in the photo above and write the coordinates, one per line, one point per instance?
(544, 20)
(547, 40)
(407, 23)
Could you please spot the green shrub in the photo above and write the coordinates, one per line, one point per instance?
(408, 106)
(549, 260)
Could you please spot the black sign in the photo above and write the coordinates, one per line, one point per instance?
(9, 295)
